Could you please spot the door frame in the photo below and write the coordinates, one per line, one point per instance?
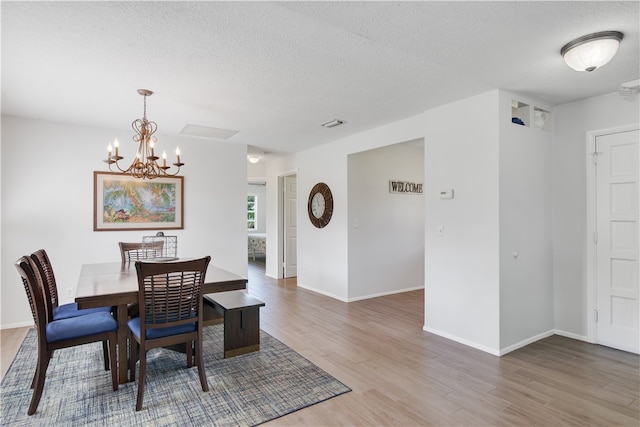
(281, 227)
(591, 223)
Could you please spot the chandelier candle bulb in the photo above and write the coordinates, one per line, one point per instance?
(116, 144)
(164, 159)
(178, 154)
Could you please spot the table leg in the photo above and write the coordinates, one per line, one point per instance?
(123, 332)
(241, 331)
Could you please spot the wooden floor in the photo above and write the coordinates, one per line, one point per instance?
(403, 376)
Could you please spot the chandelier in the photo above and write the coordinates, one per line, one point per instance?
(145, 164)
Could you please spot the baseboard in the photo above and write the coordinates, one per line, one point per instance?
(339, 298)
(468, 343)
(586, 339)
(495, 352)
(526, 342)
(16, 325)
(572, 335)
(327, 294)
(382, 294)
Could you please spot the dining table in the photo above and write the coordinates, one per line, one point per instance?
(116, 284)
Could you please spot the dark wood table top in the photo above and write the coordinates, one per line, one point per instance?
(114, 284)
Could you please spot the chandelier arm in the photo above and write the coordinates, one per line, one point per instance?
(111, 162)
(173, 174)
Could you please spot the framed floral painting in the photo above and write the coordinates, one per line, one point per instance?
(122, 202)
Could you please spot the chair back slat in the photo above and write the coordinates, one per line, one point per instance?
(44, 268)
(170, 293)
(35, 295)
(136, 252)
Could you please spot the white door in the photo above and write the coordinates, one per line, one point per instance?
(617, 266)
(290, 227)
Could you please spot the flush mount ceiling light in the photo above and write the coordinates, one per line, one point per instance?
(253, 159)
(591, 51)
(333, 123)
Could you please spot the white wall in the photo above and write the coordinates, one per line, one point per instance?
(462, 268)
(386, 231)
(569, 200)
(462, 282)
(323, 253)
(526, 282)
(47, 202)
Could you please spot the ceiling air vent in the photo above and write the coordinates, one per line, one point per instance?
(333, 123)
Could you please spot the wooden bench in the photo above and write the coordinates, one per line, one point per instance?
(241, 314)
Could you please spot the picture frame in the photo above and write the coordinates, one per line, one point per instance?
(123, 202)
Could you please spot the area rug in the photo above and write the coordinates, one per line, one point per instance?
(244, 390)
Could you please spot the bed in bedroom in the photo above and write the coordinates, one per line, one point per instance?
(257, 244)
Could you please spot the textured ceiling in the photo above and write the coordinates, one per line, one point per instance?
(275, 71)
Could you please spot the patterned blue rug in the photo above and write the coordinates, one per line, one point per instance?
(244, 390)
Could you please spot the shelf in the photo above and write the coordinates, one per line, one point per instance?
(520, 113)
(541, 119)
(526, 115)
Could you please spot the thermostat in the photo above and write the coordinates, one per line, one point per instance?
(447, 193)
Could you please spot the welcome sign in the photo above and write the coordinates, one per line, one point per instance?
(405, 187)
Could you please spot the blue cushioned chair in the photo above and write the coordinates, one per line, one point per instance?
(170, 301)
(63, 333)
(64, 311)
(55, 311)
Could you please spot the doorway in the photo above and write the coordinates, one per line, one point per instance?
(256, 221)
(289, 226)
(616, 239)
(386, 227)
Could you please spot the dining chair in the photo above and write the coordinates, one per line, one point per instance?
(54, 311)
(136, 252)
(170, 301)
(64, 333)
